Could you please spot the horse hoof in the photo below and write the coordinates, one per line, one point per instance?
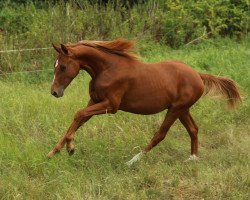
(135, 158)
(50, 154)
(71, 151)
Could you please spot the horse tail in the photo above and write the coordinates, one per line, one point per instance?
(224, 86)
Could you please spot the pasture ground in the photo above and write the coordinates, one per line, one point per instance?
(32, 121)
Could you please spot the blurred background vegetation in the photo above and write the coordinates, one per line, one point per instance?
(33, 23)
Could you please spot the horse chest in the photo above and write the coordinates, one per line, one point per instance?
(94, 96)
(94, 93)
(97, 92)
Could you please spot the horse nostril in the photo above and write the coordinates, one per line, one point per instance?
(54, 94)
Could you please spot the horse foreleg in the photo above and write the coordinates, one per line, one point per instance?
(171, 116)
(81, 117)
(70, 138)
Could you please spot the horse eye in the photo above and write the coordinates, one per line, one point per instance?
(62, 67)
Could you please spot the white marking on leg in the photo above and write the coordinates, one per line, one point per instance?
(135, 158)
(192, 158)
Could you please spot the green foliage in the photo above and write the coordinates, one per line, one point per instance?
(172, 22)
(16, 20)
(183, 21)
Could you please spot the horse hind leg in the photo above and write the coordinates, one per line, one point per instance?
(171, 116)
(192, 129)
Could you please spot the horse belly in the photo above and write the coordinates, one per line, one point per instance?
(149, 102)
(144, 109)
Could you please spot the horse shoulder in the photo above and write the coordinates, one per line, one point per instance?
(112, 78)
(108, 84)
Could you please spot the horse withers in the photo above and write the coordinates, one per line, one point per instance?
(121, 82)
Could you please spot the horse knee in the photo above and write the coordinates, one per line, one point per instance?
(196, 129)
(79, 116)
(194, 132)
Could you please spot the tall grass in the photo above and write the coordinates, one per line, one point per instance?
(32, 121)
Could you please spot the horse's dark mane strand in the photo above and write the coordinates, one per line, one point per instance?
(121, 47)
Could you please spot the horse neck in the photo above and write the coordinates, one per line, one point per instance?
(93, 61)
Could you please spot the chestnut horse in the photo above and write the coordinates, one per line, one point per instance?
(121, 82)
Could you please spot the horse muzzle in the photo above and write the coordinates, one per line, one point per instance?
(57, 93)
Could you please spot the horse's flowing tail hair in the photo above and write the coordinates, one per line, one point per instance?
(225, 86)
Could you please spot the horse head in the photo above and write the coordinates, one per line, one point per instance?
(66, 68)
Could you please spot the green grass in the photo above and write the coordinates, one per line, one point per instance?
(31, 122)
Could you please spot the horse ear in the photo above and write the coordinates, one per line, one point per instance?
(56, 48)
(64, 49)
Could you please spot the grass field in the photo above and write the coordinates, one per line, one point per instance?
(31, 122)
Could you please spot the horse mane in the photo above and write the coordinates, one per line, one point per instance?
(121, 47)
